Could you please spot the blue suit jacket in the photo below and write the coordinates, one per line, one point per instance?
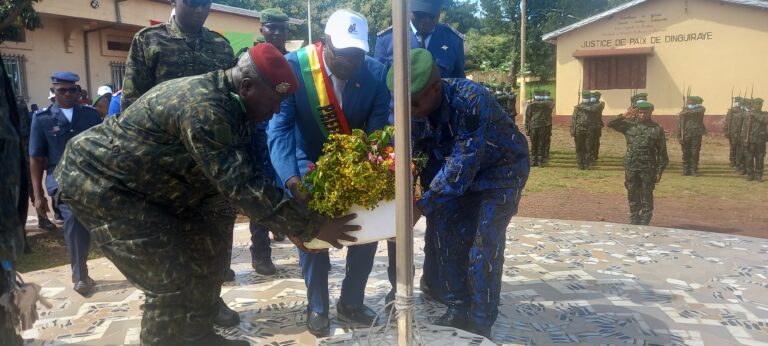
(294, 136)
(445, 44)
(50, 132)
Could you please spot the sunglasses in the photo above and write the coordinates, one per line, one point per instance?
(71, 90)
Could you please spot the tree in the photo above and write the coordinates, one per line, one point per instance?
(15, 17)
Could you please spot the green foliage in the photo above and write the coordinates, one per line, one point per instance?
(489, 52)
(16, 16)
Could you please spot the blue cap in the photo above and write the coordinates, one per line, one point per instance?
(64, 77)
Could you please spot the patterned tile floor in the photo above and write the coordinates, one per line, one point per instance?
(565, 282)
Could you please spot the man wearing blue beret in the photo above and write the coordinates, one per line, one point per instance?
(51, 129)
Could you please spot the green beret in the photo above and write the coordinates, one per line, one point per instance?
(758, 101)
(261, 39)
(695, 99)
(597, 93)
(272, 15)
(538, 92)
(645, 105)
(547, 93)
(586, 94)
(421, 70)
(738, 98)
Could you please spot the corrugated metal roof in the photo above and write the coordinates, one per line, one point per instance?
(247, 13)
(552, 36)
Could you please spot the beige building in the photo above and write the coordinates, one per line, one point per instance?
(663, 47)
(92, 38)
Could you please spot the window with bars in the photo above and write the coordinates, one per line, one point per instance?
(118, 71)
(14, 67)
(615, 72)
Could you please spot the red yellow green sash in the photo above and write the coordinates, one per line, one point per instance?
(322, 100)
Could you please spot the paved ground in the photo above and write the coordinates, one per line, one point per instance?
(565, 282)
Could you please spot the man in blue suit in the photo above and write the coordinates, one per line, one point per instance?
(447, 48)
(51, 129)
(444, 42)
(338, 70)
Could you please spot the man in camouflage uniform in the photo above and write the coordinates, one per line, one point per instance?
(690, 129)
(754, 133)
(510, 102)
(148, 185)
(274, 28)
(645, 160)
(11, 228)
(581, 130)
(730, 126)
(182, 47)
(538, 126)
(596, 125)
(477, 168)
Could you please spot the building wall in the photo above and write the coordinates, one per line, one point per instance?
(731, 54)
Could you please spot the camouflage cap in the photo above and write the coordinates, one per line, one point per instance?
(695, 99)
(273, 15)
(421, 70)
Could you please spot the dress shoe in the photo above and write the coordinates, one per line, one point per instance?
(429, 293)
(46, 225)
(318, 324)
(278, 236)
(452, 318)
(213, 339)
(229, 275)
(85, 287)
(264, 266)
(226, 317)
(356, 314)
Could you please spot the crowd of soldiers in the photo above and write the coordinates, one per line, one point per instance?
(745, 128)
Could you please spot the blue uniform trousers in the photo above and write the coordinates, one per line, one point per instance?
(78, 241)
(260, 249)
(470, 242)
(315, 266)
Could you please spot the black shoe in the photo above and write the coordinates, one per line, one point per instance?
(750, 177)
(46, 225)
(429, 293)
(213, 339)
(226, 317)
(264, 266)
(278, 236)
(85, 287)
(318, 324)
(453, 318)
(357, 314)
(229, 275)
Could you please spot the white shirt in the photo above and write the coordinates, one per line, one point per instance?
(418, 38)
(67, 113)
(338, 83)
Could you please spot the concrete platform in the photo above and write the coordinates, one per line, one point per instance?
(565, 282)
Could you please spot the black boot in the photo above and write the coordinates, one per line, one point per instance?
(453, 318)
(226, 317)
(264, 266)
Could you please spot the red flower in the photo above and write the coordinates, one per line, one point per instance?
(311, 166)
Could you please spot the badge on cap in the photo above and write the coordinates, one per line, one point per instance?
(352, 28)
(444, 47)
(283, 87)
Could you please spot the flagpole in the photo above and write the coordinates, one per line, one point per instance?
(309, 21)
(522, 59)
(403, 177)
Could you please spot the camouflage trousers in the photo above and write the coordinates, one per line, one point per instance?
(583, 148)
(470, 243)
(8, 334)
(594, 143)
(540, 139)
(177, 259)
(640, 185)
(691, 147)
(754, 157)
(733, 150)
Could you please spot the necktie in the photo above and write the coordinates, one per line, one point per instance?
(422, 40)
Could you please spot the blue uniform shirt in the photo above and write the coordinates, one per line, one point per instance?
(472, 145)
(445, 43)
(50, 132)
(114, 104)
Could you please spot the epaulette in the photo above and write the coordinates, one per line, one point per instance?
(151, 27)
(455, 32)
(384, 31)
(217, 34)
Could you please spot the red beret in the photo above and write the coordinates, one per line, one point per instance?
(275, 69)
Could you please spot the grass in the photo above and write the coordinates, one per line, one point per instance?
(49, 250)
(717, 179)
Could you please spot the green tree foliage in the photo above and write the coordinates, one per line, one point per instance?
(15, 16)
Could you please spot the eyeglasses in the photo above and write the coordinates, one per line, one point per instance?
(197, 3)
(350, 56)
(71, 90)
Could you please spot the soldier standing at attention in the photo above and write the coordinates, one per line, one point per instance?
(581, 130)
(730, 126)
(755, 135)
(182, 47)
(596, 125)
(511, 101)
(690, 129)
(538, 126)
(645, 160)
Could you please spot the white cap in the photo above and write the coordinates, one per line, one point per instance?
(103, 90)
(348, 29)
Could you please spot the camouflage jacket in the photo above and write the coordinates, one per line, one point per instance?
(581, 119)
(646, 144)
(538, 114)
(11, 229)
(184, 142)
(595, 116)
(690, 123)
(472, 145)
(163, 52)
(753, 127)
(730, 129)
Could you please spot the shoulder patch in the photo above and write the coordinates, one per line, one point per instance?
(454, 31)
(384, 31)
